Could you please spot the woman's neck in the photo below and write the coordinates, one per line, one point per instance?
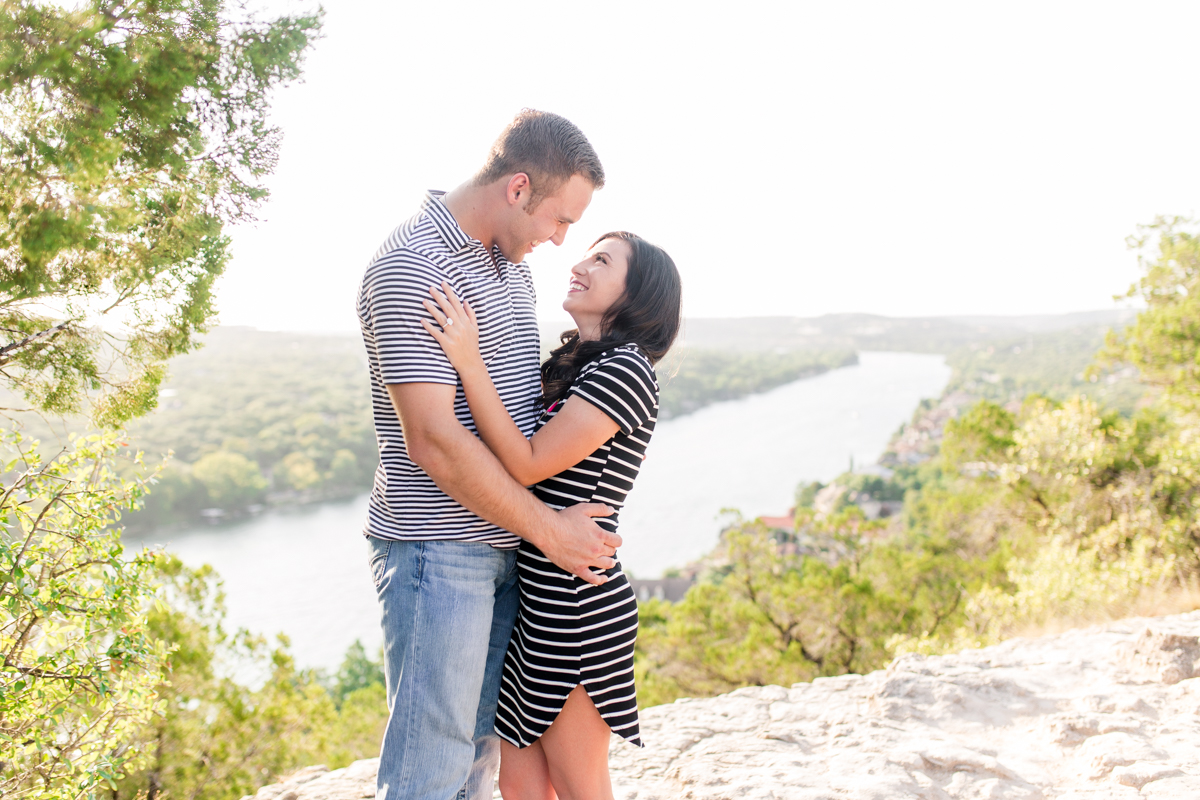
(589, 331)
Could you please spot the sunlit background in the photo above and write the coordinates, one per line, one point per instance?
(795, 158)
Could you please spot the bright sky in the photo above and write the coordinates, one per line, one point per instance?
(795, 158)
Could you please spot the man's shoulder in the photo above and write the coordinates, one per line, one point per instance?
(413, 251)
(416, 238)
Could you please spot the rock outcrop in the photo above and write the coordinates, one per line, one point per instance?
(1104, 713)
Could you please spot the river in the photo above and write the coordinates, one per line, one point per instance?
(303, 571)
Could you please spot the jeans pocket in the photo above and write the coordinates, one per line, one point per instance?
(380, 548)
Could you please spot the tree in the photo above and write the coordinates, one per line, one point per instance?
(78, 669)
(1164, 343)
(230, 478)
(782, 608)
(357, 672)
(299, 471)
(214, 737)
(130, 134)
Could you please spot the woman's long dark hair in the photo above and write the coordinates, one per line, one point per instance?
(647, 314)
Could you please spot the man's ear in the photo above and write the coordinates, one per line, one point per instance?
(518, 189)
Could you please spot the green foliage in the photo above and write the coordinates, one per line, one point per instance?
(230, 478)
(692, 379)
(1057, 364)
(118, 676)
(874, 487)
(806, 493)
(1081, 507)
(79, 664)
(779, 609)
(214, 737)
(130, 133)
(984, 433)
(357, 672)
(1164, 344)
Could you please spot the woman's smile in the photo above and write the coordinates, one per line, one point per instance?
(600, 276)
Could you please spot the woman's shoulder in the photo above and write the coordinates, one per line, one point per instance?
(627, 358)
(625, 355)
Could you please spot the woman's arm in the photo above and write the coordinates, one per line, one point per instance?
(576, 431)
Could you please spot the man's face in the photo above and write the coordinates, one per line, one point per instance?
(549, 220)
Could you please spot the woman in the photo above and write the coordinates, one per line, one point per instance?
(568, 673)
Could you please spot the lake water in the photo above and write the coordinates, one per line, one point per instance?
(304, 571)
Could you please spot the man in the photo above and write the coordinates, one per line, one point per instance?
(444, 517)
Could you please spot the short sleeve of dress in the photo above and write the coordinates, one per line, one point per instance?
(623, 386)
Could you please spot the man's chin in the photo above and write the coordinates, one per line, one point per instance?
(515, 256)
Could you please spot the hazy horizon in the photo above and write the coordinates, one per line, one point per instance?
(551, 322)
(922, 159)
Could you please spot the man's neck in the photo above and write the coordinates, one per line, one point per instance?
(470, 206)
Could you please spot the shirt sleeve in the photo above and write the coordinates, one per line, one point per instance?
(622, 386)
(394, 292)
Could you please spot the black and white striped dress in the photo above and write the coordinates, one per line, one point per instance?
(568, 631)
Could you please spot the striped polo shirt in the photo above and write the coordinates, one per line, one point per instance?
(405, 503)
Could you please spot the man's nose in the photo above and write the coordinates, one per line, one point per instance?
(560, 235)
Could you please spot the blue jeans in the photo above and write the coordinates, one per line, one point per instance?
(448, 610)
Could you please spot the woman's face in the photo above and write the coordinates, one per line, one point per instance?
(596, 284)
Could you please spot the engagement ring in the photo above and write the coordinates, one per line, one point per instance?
(449, 322)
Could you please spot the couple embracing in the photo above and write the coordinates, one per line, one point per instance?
(508, 625)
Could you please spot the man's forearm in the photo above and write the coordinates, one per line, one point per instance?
(464, 468)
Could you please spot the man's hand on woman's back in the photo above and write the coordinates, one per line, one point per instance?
(580, 544)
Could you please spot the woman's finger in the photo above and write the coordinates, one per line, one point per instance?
(435, 331)
(470, 313)
(442, 301)
(437, 312)
(454, 301)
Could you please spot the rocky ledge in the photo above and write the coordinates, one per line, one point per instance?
(1104, 713)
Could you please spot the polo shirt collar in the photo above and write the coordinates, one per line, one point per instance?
(445, 223)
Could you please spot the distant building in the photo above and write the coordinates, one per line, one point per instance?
(787, 523)
(670, 589)
(880, 509)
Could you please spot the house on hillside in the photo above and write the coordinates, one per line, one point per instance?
(670, 589)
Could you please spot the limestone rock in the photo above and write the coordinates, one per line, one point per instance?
(1104, 713)
(1160, 656)
(318, 783)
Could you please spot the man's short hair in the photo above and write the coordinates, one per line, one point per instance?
(546, 147)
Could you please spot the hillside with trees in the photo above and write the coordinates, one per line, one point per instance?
(255, 418)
